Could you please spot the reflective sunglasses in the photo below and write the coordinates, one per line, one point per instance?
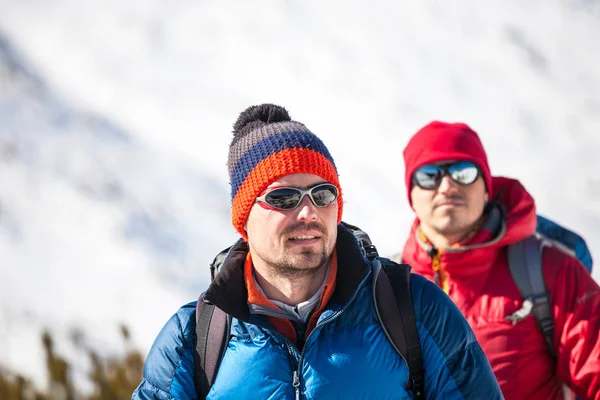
(430, 176)
(288, 198)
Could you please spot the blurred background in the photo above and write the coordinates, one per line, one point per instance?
(116, 115)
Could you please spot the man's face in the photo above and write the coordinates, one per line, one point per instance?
(451, 208)
(294, 242)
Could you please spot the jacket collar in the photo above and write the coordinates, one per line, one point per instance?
(228, 290)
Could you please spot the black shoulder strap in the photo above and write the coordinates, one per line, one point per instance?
(392, 281)
(212, 334)
(525, 264)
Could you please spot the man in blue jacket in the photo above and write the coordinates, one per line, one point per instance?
(298, 289)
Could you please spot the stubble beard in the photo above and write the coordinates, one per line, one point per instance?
(450, 226)
(305, 263)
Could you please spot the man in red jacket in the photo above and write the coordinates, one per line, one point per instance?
(465, 220)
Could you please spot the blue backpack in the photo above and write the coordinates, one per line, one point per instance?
(525, 264)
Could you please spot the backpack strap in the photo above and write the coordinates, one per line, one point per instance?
(212, 335)
(215, 266)
(525, 264)
(392, 281)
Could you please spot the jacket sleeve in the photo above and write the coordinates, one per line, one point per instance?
(455, 365)
(576, 305)
(169, 368)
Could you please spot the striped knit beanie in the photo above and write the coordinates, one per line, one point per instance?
(266, 146)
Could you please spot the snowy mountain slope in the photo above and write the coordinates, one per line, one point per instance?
(92, 222)
(365, 77)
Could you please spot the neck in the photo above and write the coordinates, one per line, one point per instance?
(290, 290)
(444, 240)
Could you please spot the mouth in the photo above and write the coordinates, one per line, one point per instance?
(451, 203)
(304, 240)
(304, 234)
(304, 237)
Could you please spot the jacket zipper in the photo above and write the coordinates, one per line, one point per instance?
(296, 380)
(296, 385)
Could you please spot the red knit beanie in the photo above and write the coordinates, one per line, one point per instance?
(440, 141)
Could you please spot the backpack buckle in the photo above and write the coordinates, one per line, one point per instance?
(370, 251)
(416, 384)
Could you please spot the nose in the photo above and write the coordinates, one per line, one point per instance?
(446, 185)
(307, 210)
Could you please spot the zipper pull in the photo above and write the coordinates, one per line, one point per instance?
(432, 251)
(296, 385)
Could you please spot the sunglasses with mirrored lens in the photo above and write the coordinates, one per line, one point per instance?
(288, 198)
(429, 176)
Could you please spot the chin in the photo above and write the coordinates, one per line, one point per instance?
(443, 224)
(309, 260)
(448, 228)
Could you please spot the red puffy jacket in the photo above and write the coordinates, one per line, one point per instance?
(477, 278)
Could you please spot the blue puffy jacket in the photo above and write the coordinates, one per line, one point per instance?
(346, 356)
